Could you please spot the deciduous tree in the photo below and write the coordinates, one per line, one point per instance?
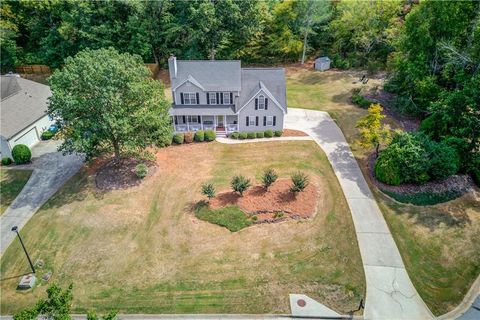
(372, 131)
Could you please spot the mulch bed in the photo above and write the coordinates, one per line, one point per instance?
(293, 133)
(457, 183)
(275, 205)
(111, 175)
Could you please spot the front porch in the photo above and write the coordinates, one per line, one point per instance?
(192, 123)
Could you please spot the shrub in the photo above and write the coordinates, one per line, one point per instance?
(251, 135)
(6, 161)
(21, 154)
(260, 135)
(360, 100)
(234, 135)
(278, 133)
(269, 177)
(240, 184)
(208, 189)
(387, 170)
(188, 137)
(242, 136)
(141, 170)
(300, 182)
(444, 159)
(178, 138)
(268, 133)
(199, 136)
(210, 135)
(47, 135)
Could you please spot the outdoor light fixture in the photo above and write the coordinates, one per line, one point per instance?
(15, 229)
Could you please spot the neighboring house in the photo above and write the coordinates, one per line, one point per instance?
(322, 63)
(223, 96)
(23, 109)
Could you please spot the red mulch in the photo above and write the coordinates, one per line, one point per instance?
(111, 175)
(293, 133)
(266, 205)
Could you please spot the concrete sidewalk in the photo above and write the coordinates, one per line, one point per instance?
(390, 293)
(50, 171)
(234, 141)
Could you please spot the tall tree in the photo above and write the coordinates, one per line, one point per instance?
(314, 12)
(106, 101)
(8, 33)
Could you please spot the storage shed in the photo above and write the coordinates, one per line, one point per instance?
(322, 63)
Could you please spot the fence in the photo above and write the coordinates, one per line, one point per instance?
(33, 69)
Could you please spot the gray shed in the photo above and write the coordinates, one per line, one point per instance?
(322, 63)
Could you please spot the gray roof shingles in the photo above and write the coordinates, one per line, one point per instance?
(23, 102)
(272, 78)
(216, 75)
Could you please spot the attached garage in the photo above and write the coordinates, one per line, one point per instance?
(23, 112)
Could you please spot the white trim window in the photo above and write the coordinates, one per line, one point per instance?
(189, 98)
(193, 119)
(226, 98)
(252, 121)
(261, 102)
(269, 121)
(212, 97)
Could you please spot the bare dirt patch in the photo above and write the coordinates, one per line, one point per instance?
(276, 204)
(112, 175)
(293, 133)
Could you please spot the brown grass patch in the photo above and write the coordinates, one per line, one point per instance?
(293, 133)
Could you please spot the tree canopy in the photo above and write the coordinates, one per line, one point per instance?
(106, 101)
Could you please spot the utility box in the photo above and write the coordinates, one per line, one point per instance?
(27, 282)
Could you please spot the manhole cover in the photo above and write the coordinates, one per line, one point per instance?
(301, 303)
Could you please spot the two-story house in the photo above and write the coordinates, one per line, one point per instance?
(223, 96)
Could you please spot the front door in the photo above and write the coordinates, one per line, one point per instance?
(220, 121)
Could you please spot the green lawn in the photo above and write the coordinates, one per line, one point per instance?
(11, 183)
(439, 243)
(230, 217)
(143, 250)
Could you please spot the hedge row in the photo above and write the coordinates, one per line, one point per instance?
(258, 135)
(198, 136)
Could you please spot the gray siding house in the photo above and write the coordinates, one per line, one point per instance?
(223, 96)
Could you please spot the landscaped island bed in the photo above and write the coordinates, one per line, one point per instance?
(142, 250)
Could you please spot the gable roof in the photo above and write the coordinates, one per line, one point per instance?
(191, 80)
(213, 75)
(270, 80)
(23, 103)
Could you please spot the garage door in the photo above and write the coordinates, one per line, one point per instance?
(28, 139)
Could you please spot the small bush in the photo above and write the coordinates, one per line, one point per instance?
(141, 170)
(199, 136)
(425, 198)
(300, 182)
(268, 133)
(178, 138)
(278, 133)
(242, 136)
(268, 178)
(208, 189)
(260, 135)
(47, 135)
(387, 171)
(188, 137)
(21, 154)
(240, 184)
(210, 135)
(251, 135)
(360, 100)
(6, 161)
(234, 135)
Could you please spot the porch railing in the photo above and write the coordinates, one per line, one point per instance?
(232, 128)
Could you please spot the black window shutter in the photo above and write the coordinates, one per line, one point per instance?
(256, 121)
(184, 120)
(218, 98)
(181, 97)
(208, 98)
(256, 104)
(266, 104)
(231, 98)
(198, 98)
(199, 119)
(221, 98)
(274, 120)
(176, 120)
(247, 121)
(264, 120)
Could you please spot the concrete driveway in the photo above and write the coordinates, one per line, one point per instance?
(50, 171)
(390, 293)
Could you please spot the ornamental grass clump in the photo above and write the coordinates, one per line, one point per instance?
(268, 178)
(299, 182)
(208, 189)
(240, 184)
